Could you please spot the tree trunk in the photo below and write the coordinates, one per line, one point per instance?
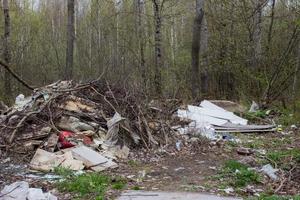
(203, 55)
(257, 34)
(140, 7)
(196, 47)
(295, 81)
(271, 25)
(157, 46)
(70, 40)
(6, 51)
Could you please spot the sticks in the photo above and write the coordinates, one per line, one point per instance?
(17, 77)
(20, 124)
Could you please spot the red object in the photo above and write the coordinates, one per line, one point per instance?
(87, 140)
(64, 139)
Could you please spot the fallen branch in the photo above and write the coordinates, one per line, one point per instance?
(15, 75)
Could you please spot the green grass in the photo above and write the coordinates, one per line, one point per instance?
(64, 172)
(133, 163)
(136, 187)
(274, 197)
(238, 175)
(88, 185)
(280, 156)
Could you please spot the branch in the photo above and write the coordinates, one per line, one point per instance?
(15, 75)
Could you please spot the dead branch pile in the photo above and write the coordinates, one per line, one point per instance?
(115, 114)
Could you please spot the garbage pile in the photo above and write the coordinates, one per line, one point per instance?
(212, 121)
(21, 191)
(82, 125)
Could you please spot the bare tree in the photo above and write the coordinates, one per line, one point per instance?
(6, 50)
(257, 33)
(140, 8)
(158, 45)
(70, 40)
(198, 21)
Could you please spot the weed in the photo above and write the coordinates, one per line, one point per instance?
(133, 163)
(89, 185)
(239, 175)
(64, 172)
(119, 185)
(136, 187)
(274, 197)
(280, 156)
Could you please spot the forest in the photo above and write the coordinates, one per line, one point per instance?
(223, 49)
(149, 99)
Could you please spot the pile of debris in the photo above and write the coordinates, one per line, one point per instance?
(21, 191)
(213, 122)
(82, 126)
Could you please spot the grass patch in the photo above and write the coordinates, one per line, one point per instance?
(133, 163)
(239, 175)
(88, 185)
(275, 197)
(136, 187)
(280, 156)
(64, 172)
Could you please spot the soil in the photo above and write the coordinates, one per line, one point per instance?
(190, 168)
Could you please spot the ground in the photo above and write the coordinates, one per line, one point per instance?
(198, 166)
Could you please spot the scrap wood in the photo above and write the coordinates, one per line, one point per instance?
(93, 104)
(20, 124)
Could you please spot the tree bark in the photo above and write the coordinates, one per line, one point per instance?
(271, 26)
(196, 47)
(6, 51)
(203, 55)
(140, 7)
(295, 81)
(157, 46)
(70, 40)
(257, 34)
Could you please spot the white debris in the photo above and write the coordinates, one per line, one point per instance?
(254, 107)
(15, 191)
(21, 191)
(229, 190)
(46, 161)
(21, 102)
(270, 171)
(205, 117)
(92, 159)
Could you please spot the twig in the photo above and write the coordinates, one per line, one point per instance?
(12, 137)
(51, 119)
(284, 181)
(150, 136)
(280, 186)
(111, 92)
(15, 75)
(104, 97)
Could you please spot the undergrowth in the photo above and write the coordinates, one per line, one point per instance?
(239, 175)
(88, 185)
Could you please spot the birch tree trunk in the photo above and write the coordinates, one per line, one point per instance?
(6, 51)
(70, 40)
(157, 46)
(196, 47)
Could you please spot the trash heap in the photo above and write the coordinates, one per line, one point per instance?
(82, 125)
(214, 122)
